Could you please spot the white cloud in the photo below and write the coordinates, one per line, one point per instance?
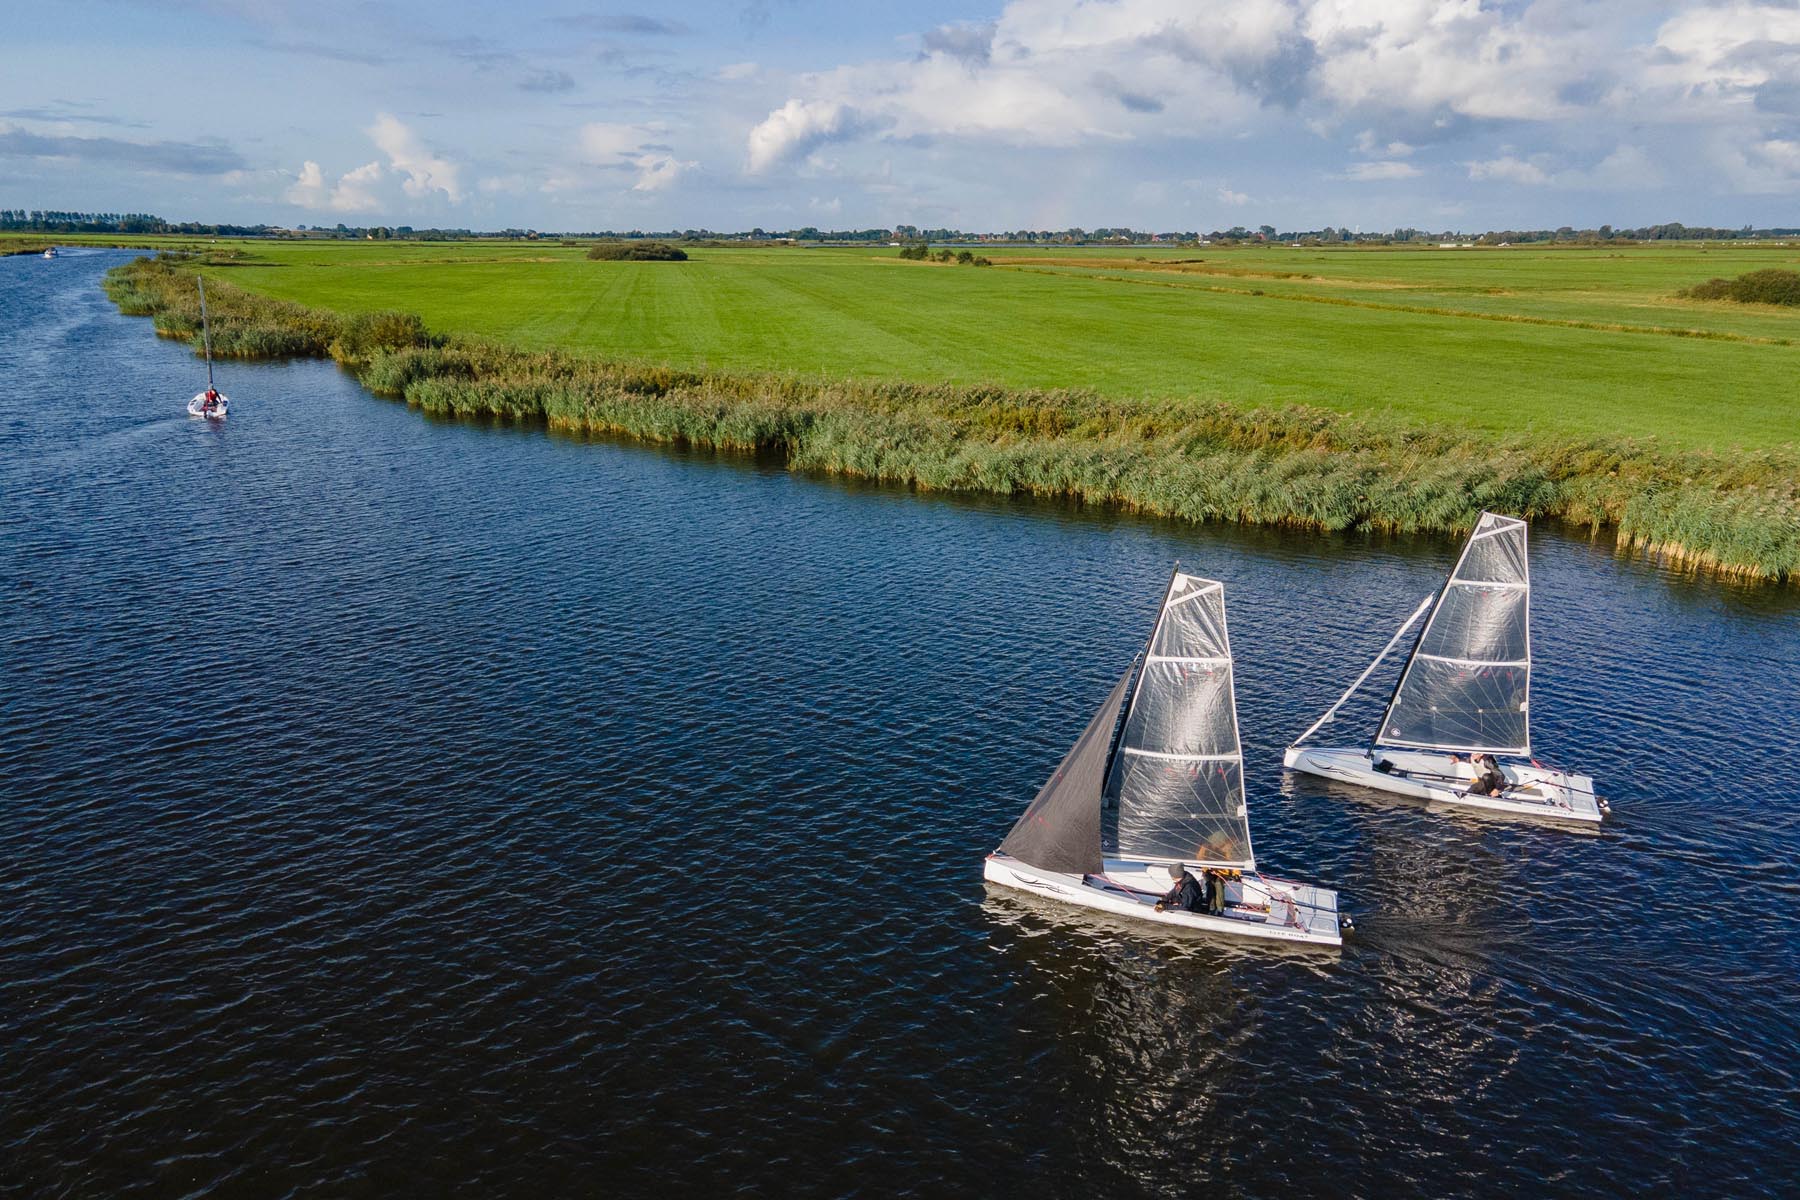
(425, 172)
(1508, 169)
(1716, 49)
(1627, 168)
(351, 193)
(1231, 198)
(1373, 172)
(1458, 55)
(657, 172)
(734, 71)
(795, 129)
(638, 148)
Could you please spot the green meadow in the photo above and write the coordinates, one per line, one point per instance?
(1402, 389)
(1590, 343)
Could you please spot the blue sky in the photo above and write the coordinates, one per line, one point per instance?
(1032, 114)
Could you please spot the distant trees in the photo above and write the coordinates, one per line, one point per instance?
(921, 252)
(20, 220)
(637, 252)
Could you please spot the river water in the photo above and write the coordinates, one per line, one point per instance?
(395, 807)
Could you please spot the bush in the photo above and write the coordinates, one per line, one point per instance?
(1769, 286)
(965, 258)
(637, 252)
(915, 252)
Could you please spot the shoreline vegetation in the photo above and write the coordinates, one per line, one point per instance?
(1735, 514)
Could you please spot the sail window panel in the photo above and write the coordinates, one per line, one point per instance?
(1486, 624)
(1496, 557)
(1193, 624)
(1183, 708)
(1460, 706)
(1192, 811)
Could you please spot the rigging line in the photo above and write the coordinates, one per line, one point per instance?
(1360, 679)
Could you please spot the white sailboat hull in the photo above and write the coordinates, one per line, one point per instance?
(1433, 776)
(1256, 906)
(197, 407)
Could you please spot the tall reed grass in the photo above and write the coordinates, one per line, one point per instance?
(1733, 514)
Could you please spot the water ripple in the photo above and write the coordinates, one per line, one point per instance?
(393, 807)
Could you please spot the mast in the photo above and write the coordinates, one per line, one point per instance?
(1367, 671)
(1405, 667)
(205, 333)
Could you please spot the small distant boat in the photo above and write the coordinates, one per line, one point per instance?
(49, 251)
(212, 403)
(1135, 801)
(1465, 691)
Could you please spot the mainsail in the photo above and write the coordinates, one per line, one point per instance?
(1467, 685)
(1178, 776)
(1060, 831)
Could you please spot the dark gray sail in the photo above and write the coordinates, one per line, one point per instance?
(1178, 777)
(1467, 686)
(1060, 831)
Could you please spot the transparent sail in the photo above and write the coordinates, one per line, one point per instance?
(1468, 685)
(1177, 778)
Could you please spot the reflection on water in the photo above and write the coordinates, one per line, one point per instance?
(405, 807)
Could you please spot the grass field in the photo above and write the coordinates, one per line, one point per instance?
(1432, 463)
(1589, 343)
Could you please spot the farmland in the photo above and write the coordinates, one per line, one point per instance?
(1572, 342)
(1403, 388)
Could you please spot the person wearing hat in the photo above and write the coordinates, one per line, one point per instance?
(1186, 895)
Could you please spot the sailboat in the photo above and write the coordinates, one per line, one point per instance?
(1162, 786)
(1465, 691)
(212, 403)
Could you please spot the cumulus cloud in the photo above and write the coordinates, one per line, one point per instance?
(353, 192)
(425, 172)
(1234, 199)
(797, 128)
(636, 148)
(1410, 72)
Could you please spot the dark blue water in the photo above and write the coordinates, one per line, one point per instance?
(390, 807)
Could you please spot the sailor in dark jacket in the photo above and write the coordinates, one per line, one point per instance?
(1186, 895)
(1488, 779)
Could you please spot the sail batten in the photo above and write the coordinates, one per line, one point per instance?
(1467, 685)
(1181, 757)
(1177, 782)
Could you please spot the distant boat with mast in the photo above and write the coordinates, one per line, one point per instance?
(1158, 783)
(212, 403)
(1457, 729)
